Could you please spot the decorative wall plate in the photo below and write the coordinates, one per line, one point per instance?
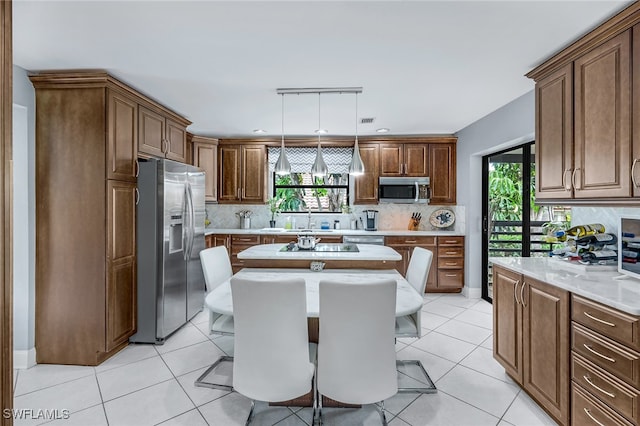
(442, 218)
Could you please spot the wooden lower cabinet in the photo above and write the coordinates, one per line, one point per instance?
(606, 364)
(531, 338)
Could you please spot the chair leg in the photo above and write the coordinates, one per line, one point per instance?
(200, 380)
(382, 415)
(253, 405)
(315, 402)
(319, 403)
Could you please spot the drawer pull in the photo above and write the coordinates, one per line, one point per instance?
(588, 413)
(610, 324)
(450, 275)
(451, 263)
(587, 347)
(588, 380)
(452, 252)
(410, 241)
(450, 241)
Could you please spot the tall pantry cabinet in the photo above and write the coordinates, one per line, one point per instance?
(86, 170)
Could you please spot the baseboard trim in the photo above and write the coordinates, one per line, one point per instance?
(24, 359)
(472, 293)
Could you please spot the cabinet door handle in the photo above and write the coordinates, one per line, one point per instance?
(588, 413)
(633, 169)
(610, 324)
(593, 351)
(515, 292)
(524, 283)
(588, 380)
(163, 148)
(573, 179)
(137, 168)
(137, 196)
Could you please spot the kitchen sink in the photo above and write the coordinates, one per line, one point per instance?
(310, 231)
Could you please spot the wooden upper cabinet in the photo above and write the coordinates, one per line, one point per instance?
(635, 163)
(122, 136)
(242, 173)
(160, 136)
(366, 185)
(397, 159)
(603, 120)
(205, 156)
(442, 173)
(554, 134)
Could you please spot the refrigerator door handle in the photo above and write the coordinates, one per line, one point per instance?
(192, 219)
(185, 227)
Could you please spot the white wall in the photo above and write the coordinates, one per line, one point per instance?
(23, 219)
(511, 125)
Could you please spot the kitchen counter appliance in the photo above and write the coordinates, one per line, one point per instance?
(370, 220)
(170, 224)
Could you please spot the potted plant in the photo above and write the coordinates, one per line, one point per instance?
(274, 208)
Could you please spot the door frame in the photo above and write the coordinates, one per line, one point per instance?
(526, 209)
(6, 207)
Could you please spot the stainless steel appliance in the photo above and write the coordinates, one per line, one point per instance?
(403, 190)
(370, 220)
(170, 226)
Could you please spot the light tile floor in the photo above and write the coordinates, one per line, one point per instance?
(148, 385)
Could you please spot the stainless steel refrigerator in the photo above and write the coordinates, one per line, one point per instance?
(170, 236)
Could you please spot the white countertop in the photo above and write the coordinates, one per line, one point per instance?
(600, 286)
(366, 252)
(408, 300)
(328, 232)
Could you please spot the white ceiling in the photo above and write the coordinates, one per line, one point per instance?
(425, 66)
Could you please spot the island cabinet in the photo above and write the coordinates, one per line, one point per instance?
(366, 185)
(587, 120)
(162, 136)
(605, 364)
(242, 173)
(86, 146)
(205, 156)
(531, 338)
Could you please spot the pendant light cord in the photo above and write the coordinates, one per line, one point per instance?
(282, 119)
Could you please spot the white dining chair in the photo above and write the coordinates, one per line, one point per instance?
(273, 359)
(356, 350)
(217, 269)
(411, 325)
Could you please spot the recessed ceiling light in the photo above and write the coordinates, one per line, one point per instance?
(322, 131)
(382, 130)
(258, 131)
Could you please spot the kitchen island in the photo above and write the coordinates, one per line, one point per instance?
(331, 256)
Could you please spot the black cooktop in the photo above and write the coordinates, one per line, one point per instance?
(350, 248)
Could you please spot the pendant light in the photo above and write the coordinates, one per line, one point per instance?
(356, 168)
(319, 168)
(282, 167)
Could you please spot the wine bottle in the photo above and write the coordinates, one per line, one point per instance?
(598, 256)
(597, 240)
(583, 230)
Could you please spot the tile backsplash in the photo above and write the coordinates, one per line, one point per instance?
(608, 216)
(390, 217)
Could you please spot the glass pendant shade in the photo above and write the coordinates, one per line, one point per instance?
(282, 167)
(356, 167)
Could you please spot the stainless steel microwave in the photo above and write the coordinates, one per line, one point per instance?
(408, 190)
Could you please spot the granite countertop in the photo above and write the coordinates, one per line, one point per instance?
(366, 252)
(282, 231)
(587, 281)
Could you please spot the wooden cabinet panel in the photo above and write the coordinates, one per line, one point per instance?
(453, 279)
(554, 134)
(242, 173)
(366, 191)
(610, 322)
(416, 158)
(121, 303)
(546, 352)
(176, 141)
(585, 410)
(254, 160)
(419, 240)
(391, 159)
(121, 220)
(507, 322)
(205, 156)
(151, 138)
(442, 173)
(602, 120)
(122, 136)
